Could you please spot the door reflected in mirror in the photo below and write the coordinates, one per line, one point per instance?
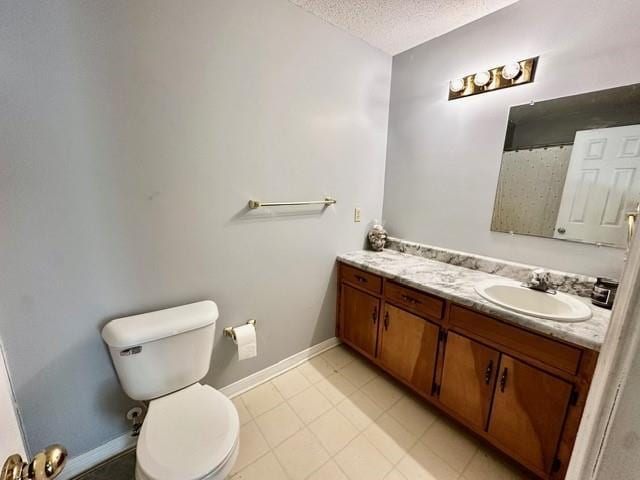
(571, 168)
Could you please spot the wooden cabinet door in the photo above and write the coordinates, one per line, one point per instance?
(408, 347)
(468, 378)
(359, 319)
(529, 410)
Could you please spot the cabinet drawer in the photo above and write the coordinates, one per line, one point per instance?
(548, 351)
(363, 279)
(414, 300)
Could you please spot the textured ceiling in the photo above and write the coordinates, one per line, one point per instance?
(397, 25)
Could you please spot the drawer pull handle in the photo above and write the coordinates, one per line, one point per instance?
(503, 379)
(488, 372)
(409, 299)
(374, 315)
(361, 279)
(386, 320)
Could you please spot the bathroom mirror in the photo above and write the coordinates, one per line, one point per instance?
(570, 168)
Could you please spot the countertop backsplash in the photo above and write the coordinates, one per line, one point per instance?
(572, 283)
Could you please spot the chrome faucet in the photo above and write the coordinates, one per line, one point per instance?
(539, 280)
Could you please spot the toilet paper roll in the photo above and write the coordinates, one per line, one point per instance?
(246, 341)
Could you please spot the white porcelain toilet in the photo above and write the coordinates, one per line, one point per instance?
(191, 431)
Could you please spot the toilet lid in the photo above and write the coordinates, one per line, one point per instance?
(188, 434)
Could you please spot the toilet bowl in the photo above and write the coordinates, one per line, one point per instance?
(191, 431)
(191, 434)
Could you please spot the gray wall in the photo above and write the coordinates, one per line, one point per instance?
(444, 157)
(132, 135)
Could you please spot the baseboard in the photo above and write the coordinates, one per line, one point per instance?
(80, 464)
(86, 461)
(255, 379)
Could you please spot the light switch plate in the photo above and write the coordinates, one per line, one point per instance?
(356, 215)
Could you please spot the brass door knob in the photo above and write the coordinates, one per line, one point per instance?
(12, 469)
(46, 465)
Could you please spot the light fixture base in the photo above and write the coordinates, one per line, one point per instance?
(496, 80)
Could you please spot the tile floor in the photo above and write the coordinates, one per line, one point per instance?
(336, 417)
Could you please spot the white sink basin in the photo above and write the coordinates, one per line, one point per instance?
(510, 294)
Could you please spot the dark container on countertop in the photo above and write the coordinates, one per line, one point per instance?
(604, 292)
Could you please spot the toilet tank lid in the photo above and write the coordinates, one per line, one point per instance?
(147, 327)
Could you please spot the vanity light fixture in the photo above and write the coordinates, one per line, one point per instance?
(509, 75)
(482, 79)
(511, 70)
(457, 85)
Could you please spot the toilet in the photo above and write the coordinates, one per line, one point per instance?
(191, 431)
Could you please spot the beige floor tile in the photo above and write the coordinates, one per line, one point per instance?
(316, 369)
(390, 438)
(451, 443)
(310, 404)
(333, 431)
(360, 410)
(339, 356)
(243, 413)
(487, 465)
(301, 455)
(414, 414)
(262, 398)
(265, 468)
(383, 392)
(291, 383)
(278, 424)
(422, 464)
(359, 372)
(395, 475)
(336, 388)
(360, 460)
(329, 471)
(253, 446)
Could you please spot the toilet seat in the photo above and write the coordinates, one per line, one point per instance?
(188, 435)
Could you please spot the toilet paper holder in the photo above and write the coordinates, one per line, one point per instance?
(228, 331)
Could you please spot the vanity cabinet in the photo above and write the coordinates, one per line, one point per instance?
(521, 391)
(408, 347)
(529, 409)
(468, 379)
(360, 312)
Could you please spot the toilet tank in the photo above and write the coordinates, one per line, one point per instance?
(160, 352)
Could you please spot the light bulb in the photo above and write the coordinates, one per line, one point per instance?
(511, 71)
(482, 78)
(456, 85)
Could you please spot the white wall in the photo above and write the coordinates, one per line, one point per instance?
(132, 136)
(10, 435)
(619, 451)
(444, 157)
(619, 455)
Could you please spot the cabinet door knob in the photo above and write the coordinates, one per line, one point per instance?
(488, 372)
(503, 379)
(361, 279)
(386, 320)
(374, 315)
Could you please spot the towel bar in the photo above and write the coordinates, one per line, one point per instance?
(253, 204)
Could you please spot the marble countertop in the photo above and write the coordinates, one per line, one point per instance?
(457, 284)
